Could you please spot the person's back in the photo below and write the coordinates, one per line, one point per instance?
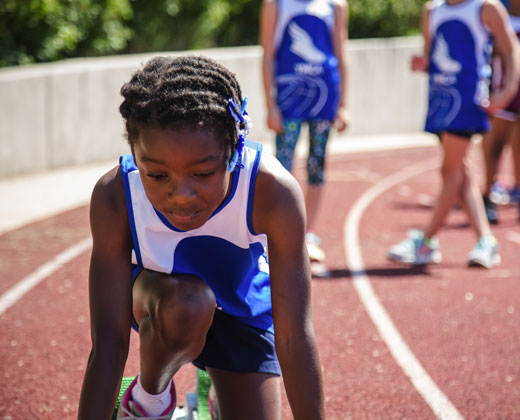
(459, 67)
(306, 68)
(305, 73)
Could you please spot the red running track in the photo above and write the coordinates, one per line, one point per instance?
(461, 324)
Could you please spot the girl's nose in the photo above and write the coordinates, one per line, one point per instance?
(181, 192)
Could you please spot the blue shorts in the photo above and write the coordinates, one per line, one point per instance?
(234, 346)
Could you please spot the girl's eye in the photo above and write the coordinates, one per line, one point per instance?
(203, 175)
(157, 177)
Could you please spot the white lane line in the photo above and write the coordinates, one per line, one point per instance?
(513, 237)
(423, 383)
(16, 292)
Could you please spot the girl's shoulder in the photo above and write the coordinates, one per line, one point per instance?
(278, 194)
(109, 193)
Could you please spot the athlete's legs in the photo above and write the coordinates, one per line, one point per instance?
(319, 132)
(174, 313)
(453, 177)
(514, 140)
(492, 146)
(472, 200)
(252, 396)
(286, 142)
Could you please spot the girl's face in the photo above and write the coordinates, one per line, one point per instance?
(183, 173)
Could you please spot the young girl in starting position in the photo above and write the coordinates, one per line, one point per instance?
(181, 229)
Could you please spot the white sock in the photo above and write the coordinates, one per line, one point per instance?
(153, 404)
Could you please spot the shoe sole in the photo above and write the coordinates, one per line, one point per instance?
(479, 262)
(436, 259)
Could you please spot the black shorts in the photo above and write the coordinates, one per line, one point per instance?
(234, 346)
(467, 134)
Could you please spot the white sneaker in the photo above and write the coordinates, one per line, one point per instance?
(131, 410)
(416, 249)
(485, 253)
(314, 250)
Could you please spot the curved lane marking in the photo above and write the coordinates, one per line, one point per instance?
(15, 293)
(423, 383)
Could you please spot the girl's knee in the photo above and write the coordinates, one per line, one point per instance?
(181, 310)
(453, 173)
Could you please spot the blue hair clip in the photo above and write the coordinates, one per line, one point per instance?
(245, 124)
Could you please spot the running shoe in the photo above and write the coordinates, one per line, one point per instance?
(491, 210)
(514, 194)
(485, 253)
(314, 250)
(131, 410)
(416, 249)
(499, 194)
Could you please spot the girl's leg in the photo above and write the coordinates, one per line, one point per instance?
(174, 314)
(286, 142)
(514, 140)
(472, 200)
(492, 146)
(252, 396)
(319, 132)
(453, 176)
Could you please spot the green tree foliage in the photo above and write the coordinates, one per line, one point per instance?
(162, 25)
(47, 30)
(384, 18)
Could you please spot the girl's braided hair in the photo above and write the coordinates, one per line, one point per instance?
(182, 92)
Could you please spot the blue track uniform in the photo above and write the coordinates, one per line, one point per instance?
(225, 252)
(459, 68)
(306, 73)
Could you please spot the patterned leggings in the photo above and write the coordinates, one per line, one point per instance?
(318, 136)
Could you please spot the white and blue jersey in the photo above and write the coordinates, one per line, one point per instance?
(306, 68)
(459, 69)
(225, 252)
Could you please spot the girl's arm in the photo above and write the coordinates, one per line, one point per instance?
(494, 16)
(279, 212)
(268, 17)
(422, 62)
(110, 294)
(340, 38)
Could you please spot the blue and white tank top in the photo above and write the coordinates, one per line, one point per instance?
(306, 68)
(460, 69)
(225, 252)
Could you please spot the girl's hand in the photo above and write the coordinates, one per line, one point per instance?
(275, 120)
(342, 120)
(419, 63)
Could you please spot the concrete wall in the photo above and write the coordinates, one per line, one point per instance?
(66, 113)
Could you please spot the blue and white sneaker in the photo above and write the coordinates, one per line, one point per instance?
(485, 253)
(499, 194)
(514, 194)
(416, 249)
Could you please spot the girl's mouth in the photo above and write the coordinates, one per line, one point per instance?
(183, 217)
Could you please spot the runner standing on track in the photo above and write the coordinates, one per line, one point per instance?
(505, 128)
(457, 40)
(180, 229)
(305, 81)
